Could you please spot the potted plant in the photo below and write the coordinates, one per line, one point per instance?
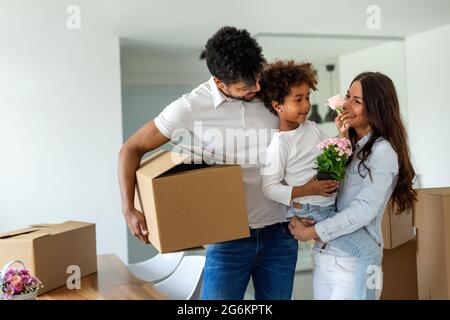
(18, 284)
(330, 164)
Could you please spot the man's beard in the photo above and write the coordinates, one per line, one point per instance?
(239, 98)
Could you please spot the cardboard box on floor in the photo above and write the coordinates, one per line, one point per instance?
(190, 205)
(397, 229)
(400, 273)
(47, 250)
(432, 222)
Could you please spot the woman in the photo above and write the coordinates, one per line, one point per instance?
(379, 174)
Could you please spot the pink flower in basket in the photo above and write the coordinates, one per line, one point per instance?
(18, 282)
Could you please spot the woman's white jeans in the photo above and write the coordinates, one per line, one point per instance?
(334, 277)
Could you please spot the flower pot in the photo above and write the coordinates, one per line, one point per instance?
(324, 176)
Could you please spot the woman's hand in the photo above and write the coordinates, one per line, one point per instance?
(303, 229)
(343, 121)
(321, 187)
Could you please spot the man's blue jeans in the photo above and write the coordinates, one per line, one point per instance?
(269, 256)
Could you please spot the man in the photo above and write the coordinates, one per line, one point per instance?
(226, 103)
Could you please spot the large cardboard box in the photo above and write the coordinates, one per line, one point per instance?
(190, 205)
(397, 229)
(400, 273)
(48, 250)
(432, 220)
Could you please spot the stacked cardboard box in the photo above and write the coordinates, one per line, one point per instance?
(397, 229)
(400, 272)
(420, 268)
(432, 220)
(399, 257)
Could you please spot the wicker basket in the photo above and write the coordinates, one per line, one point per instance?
(6, 267)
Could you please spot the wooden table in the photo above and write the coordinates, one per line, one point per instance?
(111, 282)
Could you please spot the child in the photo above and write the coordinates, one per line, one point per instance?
(289, 172)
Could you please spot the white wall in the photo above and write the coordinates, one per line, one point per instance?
(151, 80)
(420, 69)
(388, 58)
(149, 67)
(428, 83)
(141, 104)
(60, 121)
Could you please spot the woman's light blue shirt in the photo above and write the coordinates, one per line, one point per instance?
(361, 201)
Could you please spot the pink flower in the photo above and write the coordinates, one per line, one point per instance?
(26, 279)
(341, 146)
(16, 279)
(9, 292)
(19, 288)
(336, 103)
(24, 272)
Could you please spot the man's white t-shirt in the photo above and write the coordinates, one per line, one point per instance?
(238, 131)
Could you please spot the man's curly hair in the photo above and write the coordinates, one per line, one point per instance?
(278, 77)
(233, 55)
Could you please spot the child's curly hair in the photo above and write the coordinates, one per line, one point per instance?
(278, 77)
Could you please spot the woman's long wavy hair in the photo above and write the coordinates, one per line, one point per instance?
(382, 110)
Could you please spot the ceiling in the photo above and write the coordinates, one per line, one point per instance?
(319, 30)
(178, 24)
(316, 28)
